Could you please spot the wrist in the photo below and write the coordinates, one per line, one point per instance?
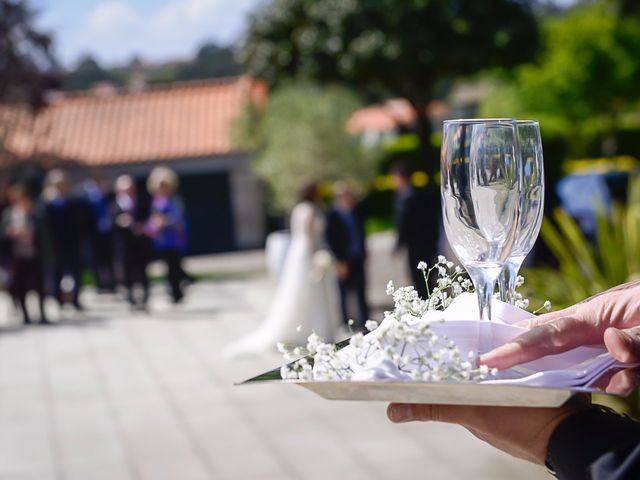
(585, 435)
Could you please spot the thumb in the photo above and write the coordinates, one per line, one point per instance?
(623, 345)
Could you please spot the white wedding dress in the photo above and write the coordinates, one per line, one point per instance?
(306, 298)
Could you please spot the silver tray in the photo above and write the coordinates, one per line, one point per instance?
(458, 393)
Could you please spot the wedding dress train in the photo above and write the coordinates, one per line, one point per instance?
(306, 296)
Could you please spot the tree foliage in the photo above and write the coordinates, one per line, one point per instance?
(27, 66)
(87, 73)
(590, 66)
(390, 47)
(302, 135)
(210, 61)
(586, 268)
(587, 74)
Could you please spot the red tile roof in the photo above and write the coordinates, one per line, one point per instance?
(389, 115)
(185, 119)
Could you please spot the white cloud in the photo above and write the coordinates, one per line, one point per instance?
(115, 30)
(112, 16)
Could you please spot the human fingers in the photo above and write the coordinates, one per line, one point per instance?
(521, 432)
(623, 382)
(546, 318)
(550, 338)
(623, 345)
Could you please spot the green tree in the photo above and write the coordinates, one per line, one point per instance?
(210, 61)
(302, 135)
(87, 73)
(586, 77)
(404, 48)
(27, 66)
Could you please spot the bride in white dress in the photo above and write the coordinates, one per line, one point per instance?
(306, 296)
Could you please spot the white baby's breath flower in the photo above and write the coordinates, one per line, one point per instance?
(356, 340)
(350, 322)
(519, 281)
(547, 305)
(404, 339)
(390, 289)
(371, 325)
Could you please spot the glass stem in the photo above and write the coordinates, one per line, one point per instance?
(484, 289)
(507, 283)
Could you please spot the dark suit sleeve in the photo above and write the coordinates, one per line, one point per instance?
(595, 444)
(403, 224)
(334, 236)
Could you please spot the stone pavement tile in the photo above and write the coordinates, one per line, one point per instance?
(21, 400)
(99, 470)
(18, 360)
(228, 437)
(9, 472)
(87, 435)
(171, 467)
(312, 449)
(203, 395)
(25, 442)
(481, 460)
(466, 466)
(157, 441)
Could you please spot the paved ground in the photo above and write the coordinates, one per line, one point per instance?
(114, 395)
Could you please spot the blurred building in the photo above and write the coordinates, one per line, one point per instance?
(186, 126)
(384, 121)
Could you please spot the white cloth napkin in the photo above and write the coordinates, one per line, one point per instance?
(460, 323)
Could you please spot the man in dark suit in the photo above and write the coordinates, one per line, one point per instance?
(346, 239)
(70, 221)
(417, 215)
(132, 247)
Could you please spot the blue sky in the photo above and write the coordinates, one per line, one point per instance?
(114, 31)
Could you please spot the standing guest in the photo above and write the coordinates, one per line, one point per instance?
(346, 239)
(166, 225)
(21, 230)
(100, 242)
(417, 216)
(131, 244)
(68, 221)
(4, 247)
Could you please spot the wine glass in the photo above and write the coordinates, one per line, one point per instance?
(480, 190)
(532, 207)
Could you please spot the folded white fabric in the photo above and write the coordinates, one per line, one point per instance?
(460, 323)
